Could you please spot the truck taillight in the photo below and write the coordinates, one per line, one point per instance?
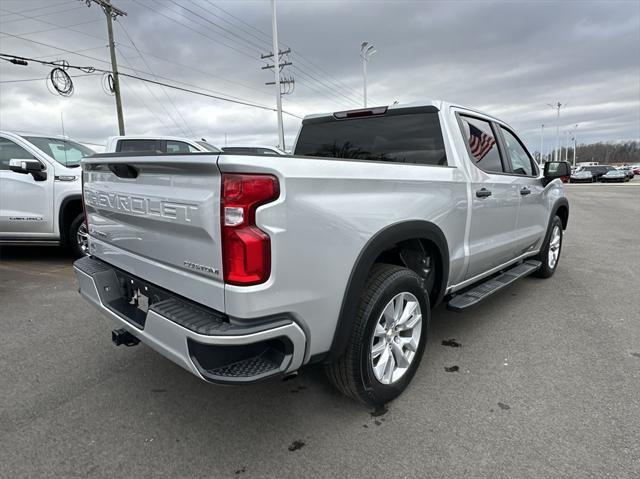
(246, 249)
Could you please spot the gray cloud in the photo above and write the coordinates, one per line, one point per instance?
(508, 58)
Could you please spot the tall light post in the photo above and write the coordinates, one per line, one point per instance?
(366, 52)
(557, 107)
(541, 143)
(575, 144)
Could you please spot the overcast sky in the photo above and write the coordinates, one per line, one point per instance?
(507, 58)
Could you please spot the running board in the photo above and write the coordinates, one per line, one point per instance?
(492, 285)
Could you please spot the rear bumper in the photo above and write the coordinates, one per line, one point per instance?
(201, 340)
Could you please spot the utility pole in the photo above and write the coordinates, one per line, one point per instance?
(366, 52)
(557, 106)
(276, 70)
(112, 13)
(541, 144)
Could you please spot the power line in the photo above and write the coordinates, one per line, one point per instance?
(309, 74)
(43, 8)
(158, 102)
(218, 42)
(297, 53)
(254, 45)
(44, 78)
(173, 62)
(175, 87)
(151, 71)
(35, 17)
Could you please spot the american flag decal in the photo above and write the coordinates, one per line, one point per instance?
(479, 142)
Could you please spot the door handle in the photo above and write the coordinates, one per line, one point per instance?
(525, 191)
(483, 193)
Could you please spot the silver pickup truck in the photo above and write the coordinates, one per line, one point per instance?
(240, 268)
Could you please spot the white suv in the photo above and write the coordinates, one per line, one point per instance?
(40, 191)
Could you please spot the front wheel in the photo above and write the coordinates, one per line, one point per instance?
(79, 237)
(550, 253)
(387, 339)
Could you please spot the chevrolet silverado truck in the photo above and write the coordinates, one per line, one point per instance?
(40, 191)
(240, 268)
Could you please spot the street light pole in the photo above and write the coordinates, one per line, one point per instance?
(366, 52)
(556, 153)
(575, 145)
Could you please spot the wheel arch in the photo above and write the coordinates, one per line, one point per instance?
(561, 209)
(70, 207)
(386, 239)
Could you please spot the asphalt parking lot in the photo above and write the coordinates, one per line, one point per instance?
(548, 383)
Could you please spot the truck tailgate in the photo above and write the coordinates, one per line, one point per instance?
(158, 217)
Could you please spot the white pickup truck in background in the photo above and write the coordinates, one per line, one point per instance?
(40, 191)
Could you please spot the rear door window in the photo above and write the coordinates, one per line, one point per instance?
(398, 137)
(138, 145)
(180, 147)
(482, 145)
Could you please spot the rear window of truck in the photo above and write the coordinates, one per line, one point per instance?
(400, 138)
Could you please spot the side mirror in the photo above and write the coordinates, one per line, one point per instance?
(556, 169)
(25, 167)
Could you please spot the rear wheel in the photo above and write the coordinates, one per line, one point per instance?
(388, 337)
(550, 253)
(78, 237)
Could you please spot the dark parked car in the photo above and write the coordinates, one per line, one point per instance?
(598, 170)
(614, 175)
(581, 176)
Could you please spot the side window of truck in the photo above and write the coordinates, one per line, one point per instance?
(521, 162)
(482, 144)
(10, 151)
(180, 147)
(136, 145)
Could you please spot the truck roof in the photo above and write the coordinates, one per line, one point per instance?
(439, 104)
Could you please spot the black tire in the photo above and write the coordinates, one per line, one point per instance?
(546, 271)
(72, 239)
(353, 372)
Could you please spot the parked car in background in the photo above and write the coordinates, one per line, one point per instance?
(581, 176)
(598, 170)
(635, 169)
(614, 175)
(40, 191)
(158, 144)
(244, 267)
(628, 170)
(254, 150)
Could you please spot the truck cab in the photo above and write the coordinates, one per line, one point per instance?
(40, 190)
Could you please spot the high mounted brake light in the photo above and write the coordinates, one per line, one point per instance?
(341, 115)
(246, 249)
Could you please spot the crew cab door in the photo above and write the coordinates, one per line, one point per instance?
(494, 198)
(533, 214)
(26, 205)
